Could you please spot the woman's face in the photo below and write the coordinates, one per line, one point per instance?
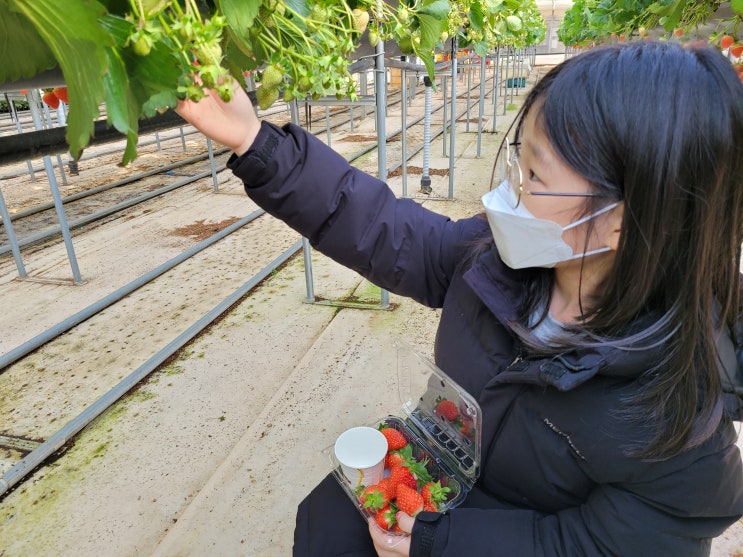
(543, 171)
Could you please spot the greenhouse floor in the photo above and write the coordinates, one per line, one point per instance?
(212, 454)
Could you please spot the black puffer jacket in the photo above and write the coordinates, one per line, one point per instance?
(553, 445)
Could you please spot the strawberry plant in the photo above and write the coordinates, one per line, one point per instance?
(141, 56)
(596, 21)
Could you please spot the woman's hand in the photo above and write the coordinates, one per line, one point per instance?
(233, 124)
(393, 546)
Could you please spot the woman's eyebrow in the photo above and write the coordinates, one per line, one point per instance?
(536, 152)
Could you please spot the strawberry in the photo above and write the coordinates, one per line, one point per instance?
(375, 497)
(272, 76)
(736, 50)
(435, 493)
(393, 458)
(726, 42)
(266, 96)
(446, 409)
(395, 439)
(50, 99)
(408, 500)
(679, 32)
(400, 475)
(429, 507)
(360, 20)
(61, 94)
(385, 518)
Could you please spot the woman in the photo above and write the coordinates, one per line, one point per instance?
(589, 313)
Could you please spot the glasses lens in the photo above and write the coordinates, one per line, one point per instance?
(502, 169)
(512, 172)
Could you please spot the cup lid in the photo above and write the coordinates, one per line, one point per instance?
(360, 447)
(446, 415)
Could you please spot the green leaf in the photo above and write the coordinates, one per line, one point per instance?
(121, 106)
(427, 59)
(513, 22)
(153, 78)
(493, 6)
(22, 51)
(71, 32)
(481, 48)
(430, 31)
(737, 6)
(299, 6)
(476, 17)
(438, 9)
(239, 15)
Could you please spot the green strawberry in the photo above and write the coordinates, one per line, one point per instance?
(142, 45)
(209, 53)
(360, 20)
(272, 76)
(266, 96)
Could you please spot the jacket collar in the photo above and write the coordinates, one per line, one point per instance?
(500, 288)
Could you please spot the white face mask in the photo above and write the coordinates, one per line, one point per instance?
(522, 239)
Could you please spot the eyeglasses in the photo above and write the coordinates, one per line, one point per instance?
(508, 168)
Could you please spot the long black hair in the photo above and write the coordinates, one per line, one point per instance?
(660, 127)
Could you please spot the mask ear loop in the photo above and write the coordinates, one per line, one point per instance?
(586, 219)
(592, 215)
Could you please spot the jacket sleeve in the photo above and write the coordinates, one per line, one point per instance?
(675, 514)
(351, 216)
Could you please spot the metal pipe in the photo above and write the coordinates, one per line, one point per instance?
(453, 127)
(380, 88)
(481, 110)
(404, 126)
(425, 178)
(56, 197)
(15, 248)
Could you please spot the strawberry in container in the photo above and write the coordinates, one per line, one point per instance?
(432, 453)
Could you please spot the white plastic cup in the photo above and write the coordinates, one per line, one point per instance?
(360, 452)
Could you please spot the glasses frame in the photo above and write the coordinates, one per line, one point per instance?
(513, 158)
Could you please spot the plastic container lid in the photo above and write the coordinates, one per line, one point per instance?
(441, 412)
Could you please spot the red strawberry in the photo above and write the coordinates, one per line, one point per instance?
(435, 493)
(395, 439)
(388, 486)
(429, 507)
(736, 50)
(386, 518)
(50, 99)
(375, 497)
(408, 500)
(393, 458)
(446, 409)
(400, 475)
(726, 41)
(61, 94)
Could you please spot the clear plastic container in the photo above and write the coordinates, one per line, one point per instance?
(450, 447)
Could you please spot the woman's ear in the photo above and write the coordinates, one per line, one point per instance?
(614, 226)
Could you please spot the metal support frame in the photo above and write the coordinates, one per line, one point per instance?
(59, 207)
